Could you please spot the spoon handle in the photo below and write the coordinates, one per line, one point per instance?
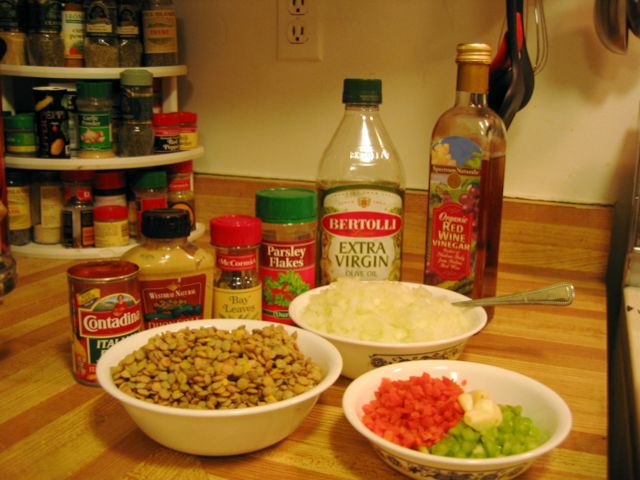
(561, 293)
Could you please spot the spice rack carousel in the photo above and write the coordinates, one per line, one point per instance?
(169, 76)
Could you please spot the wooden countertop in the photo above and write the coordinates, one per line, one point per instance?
(53, 428)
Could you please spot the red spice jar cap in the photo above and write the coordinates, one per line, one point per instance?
(110, 212)
(187, 117)
(165, 119)
(110, 180)
(77, 175)
(235, 231)
(182, 167)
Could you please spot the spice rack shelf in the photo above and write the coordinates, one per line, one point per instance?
(109, 163)
(59, 252)
(83, 73)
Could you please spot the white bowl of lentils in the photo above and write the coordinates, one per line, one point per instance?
(219, 387)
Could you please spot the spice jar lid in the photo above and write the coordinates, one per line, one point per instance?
(94, 89)
(187, 117)
(235, 231)
(151, 179)
(20, 120)
(165, 119)
(165, 223)
(136, 77)
(362, 91)
(110, 180)
(77, 175)
(182, 167)
(286, 205)
(110, 212)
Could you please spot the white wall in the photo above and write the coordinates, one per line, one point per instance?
(258, 116)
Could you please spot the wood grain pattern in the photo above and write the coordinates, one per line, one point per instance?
(54, 428)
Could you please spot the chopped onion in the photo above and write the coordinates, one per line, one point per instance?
(388, 312)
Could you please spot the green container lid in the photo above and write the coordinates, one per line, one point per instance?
(94, 89)
(362, 91)
(136, 77)
(20, 121)
(286, 205)
(151, 179)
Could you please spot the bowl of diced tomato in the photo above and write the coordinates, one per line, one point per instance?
(455, 419)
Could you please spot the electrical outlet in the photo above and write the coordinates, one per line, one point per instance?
(297, 7)
(299, 35)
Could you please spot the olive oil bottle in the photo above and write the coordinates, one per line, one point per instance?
(466, 179)
(361, 189)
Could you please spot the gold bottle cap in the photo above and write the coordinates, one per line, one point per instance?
(473, 53)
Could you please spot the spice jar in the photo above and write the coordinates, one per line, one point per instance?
(20, 134)
(52, 122)
(19, 206)
(237, 291)
(44, 41)
(167, 132)
(129, 38)
(181, 193)
(159, 29)
(13, 25)
(150, 192)
(94, 104)
(77, 213)
(101, 41)
(110, 188)
(46, 207)
(187, 123)
(288, 248)
(73, 33)
(111, 226)
(136, 107)
(176, 276)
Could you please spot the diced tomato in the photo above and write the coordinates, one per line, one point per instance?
(415, 412)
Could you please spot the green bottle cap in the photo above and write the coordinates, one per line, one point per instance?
(136, 77)
(20, 121)
(362, 91)
(286, 205)
(151, 179)
(94, 89)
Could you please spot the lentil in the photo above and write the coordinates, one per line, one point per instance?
(210, 368)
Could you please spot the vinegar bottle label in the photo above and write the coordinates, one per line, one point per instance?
(454, 198)
(361, 233)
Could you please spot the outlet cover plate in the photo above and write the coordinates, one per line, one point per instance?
(299, 35)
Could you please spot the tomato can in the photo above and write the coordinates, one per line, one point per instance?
(104, 299)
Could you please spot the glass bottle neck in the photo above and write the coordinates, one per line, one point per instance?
(358, 107)
(165, 243)
(472, 84)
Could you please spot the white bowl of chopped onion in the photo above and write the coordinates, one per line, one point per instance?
(548, 420)
(220, 386)
(376, 323)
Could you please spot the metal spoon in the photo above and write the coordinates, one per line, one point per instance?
(561, 293)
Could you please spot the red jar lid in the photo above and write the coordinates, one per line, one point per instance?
(77, 175)
(187, 117)
(110, 212)
(165, 119)
(109, 180)
(182, 167)
(235, 231)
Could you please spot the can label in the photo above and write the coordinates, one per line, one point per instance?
(288, 269)
(361, 233)
(95, 131)
(102, 314)
(173, 300)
